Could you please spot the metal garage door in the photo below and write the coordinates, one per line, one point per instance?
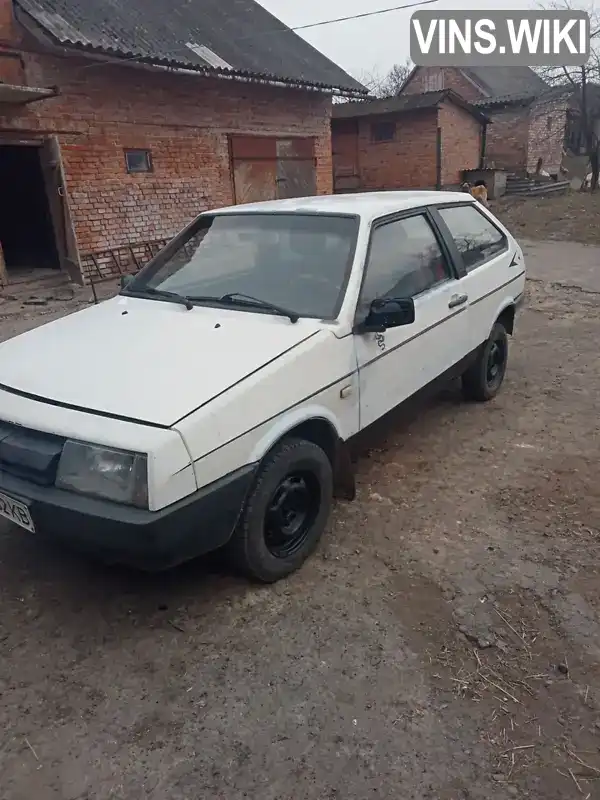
(268, 168)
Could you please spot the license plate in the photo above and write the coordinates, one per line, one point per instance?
(16, 512)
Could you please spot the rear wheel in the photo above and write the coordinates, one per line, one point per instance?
(483, 379)
(286, 512)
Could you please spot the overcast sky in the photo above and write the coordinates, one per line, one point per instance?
(374, 44)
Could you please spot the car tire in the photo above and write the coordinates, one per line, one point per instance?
(285, 513)
(482, 380)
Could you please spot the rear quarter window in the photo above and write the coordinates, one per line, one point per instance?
(476, 237)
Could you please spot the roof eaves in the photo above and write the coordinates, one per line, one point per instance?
(524, 98)
(384, 106)
(406, 104)
(471, 108)
(133, 58)
(208, 71)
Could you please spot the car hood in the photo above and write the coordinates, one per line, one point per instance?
(145, 360)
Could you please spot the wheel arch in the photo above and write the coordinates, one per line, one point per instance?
(507, 317)
(320, 427)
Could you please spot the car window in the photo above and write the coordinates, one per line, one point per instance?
(298, 261)
(405, 259)
(475, 236)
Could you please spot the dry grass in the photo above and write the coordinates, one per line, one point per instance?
(573, 217)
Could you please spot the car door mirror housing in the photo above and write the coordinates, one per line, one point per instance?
(388, 313)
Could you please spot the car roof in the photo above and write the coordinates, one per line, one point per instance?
(367, 205)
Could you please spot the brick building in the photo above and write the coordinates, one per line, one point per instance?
(527, 116)
(120, 122)
(421, 141)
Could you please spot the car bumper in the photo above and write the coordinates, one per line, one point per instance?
(149, 540)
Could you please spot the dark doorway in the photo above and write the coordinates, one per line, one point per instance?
(26, 229)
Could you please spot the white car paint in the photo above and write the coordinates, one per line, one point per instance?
(206, 391)
(154, 362)
(171, 475)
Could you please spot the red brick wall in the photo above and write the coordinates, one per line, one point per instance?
(408, 162)
(184, 120)
(546, 135)
(452, 78)
(507, 139)
(519, 135)
(461, 143)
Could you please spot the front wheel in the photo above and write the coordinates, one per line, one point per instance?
(286, 512)
(483, 379)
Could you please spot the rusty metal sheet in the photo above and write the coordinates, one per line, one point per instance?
(254, 181)
(301, 148)
(245, 147)
(296, 178)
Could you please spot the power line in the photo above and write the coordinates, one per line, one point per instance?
(359, 16)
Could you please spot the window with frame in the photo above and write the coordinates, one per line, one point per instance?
(476, 238)
(383, 131)
(405, 259)
(138, 161)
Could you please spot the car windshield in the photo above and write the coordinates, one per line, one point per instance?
(297, 262)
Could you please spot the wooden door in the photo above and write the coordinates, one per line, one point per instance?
(267, 167)
(66, 242)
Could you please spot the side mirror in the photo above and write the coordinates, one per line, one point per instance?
(388, 313)
(126, 280)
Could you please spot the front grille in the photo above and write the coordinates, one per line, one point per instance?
(29, 454)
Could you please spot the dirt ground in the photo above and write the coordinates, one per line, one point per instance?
(443, 644)
(571, 217)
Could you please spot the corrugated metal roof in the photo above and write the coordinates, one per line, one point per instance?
(500, 84)
(549, 94)
(237, 32)
(401, 104)
(506, 81)
(506, 99)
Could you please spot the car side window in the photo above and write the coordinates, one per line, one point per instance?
(405, 259)
(477, 239)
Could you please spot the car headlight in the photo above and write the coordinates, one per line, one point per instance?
(116, 475)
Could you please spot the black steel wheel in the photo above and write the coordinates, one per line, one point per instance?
(496, 362)
(291, 513)
(483, 379)
(286, 512)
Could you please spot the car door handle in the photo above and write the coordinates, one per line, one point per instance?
(458, 300)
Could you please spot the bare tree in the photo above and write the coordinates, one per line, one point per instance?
(387, 85)
(583, 84)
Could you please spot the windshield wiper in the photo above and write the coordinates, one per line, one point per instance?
(248, 300)
(151, 292)
(233, 298)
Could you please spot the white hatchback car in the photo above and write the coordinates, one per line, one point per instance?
(211, 402)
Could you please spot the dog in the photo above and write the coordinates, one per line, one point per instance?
(478, 191)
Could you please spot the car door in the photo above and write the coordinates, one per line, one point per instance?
(490, 260)
(407, 259)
